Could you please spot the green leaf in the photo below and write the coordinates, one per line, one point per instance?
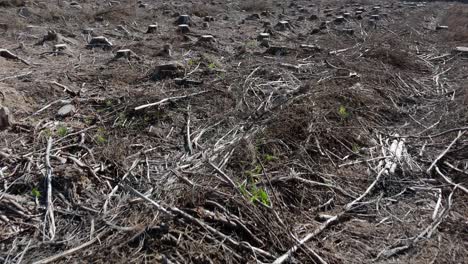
(263, 197)
(62, 131)
(343, 112)
(35, 192)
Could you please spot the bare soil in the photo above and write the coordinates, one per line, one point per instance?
(338, 140)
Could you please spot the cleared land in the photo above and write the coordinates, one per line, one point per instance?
(340, 136)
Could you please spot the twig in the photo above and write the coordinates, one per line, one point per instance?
(225, 176)
(65, 88)
(434, 135)
(8, 55)
(49, 219)
(388, 253)
(50, 104)
(20, 259)
(368, 190)
(173, 211)
(71, 251)
(329, 222)
(316, 183)
(449, 181)
(301, 242)
(114, 190)
(15, 76)
(460, 134)
(188, 141)
(168, 99)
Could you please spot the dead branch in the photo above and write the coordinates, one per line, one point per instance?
(174, 211)
(434, 163)
(72, 250)
(10, 56)
(49, 219)
(175, 98)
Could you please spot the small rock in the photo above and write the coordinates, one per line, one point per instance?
(206, 25)
(6, 119)
(66, 110)
(375, 17)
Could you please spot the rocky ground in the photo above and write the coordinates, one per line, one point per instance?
(233, 131)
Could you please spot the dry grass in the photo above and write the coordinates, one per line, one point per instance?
(12, 3)
(252, 5)
(203, 10)
(456, 19)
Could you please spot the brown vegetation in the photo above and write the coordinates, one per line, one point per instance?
(456, 18)
(224, 152)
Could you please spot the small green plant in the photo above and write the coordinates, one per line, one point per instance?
(243, 189)
(343, 112)
(62, 131)
(251, 44)
(212, 66)
(260, 195)
(108, 102)
(252, 174)
(356, 148)
(255, 194)
(46, 133)
(100, 136)
(221, 75)
(88, 120)
(269, 157)
(191, 62)
(35, 192)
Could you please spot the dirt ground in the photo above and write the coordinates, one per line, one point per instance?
(340, 137)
